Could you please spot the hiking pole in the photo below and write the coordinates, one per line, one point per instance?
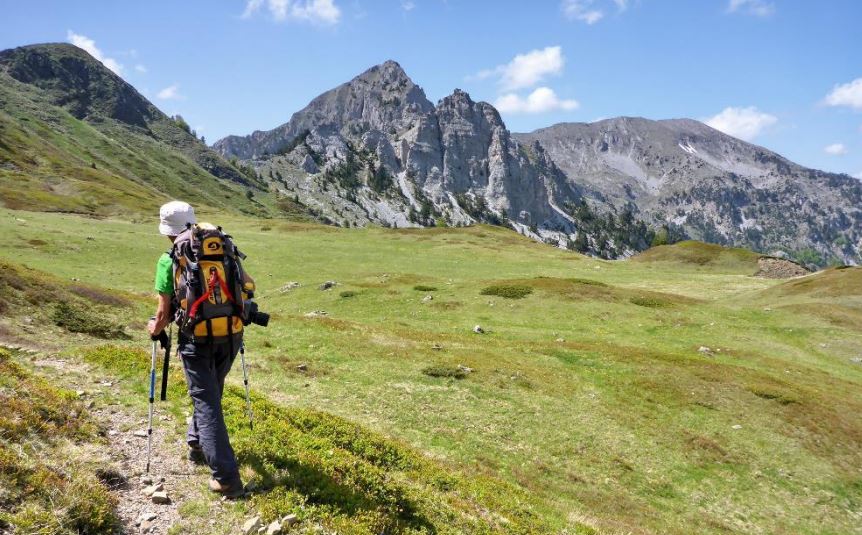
(245, 382)
(166, 365)
(152, 398)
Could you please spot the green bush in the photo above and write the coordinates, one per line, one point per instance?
(76, 320)
(445, 371)
(508, 291)
(424, 288)
(649, 302)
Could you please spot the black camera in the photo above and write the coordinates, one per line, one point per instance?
(250, 314)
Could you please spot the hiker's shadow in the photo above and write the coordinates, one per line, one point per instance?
(321, 488)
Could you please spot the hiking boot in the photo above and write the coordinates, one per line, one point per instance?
(231, 490)
(196, 455)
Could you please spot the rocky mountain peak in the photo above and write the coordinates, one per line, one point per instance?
(389, 70)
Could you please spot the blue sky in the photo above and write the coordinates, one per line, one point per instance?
(785, 74)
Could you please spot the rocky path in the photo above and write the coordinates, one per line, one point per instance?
(170, 476)
(177, 480)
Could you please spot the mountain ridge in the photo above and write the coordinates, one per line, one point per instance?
(715, 187)
(72, 79)
(605, 187)
(78, 138)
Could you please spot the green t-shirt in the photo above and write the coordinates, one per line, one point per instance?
(165, 275)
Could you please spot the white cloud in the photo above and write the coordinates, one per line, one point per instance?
(744, 123)
(172, 92)
(314, 11)
(584, 11)
(88, 45)
(542, 100)
(835, 149)
(408, 5)
(758, 8)
(858, 175)
(140, 68)
(849, 94)
(526, 70)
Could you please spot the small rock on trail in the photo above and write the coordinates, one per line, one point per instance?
(251, 525)
(149, 491)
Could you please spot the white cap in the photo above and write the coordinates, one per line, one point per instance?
(174, 216)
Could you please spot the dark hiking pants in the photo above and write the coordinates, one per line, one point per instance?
(206, 366)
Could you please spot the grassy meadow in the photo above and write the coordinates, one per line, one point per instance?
(669, 393)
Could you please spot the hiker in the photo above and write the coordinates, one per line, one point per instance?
(209, 342)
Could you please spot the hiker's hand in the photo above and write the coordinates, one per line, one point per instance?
(161, 338)
(151, 328)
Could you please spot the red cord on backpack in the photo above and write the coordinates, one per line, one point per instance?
(214, 279)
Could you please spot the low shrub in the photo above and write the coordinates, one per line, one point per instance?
(588, 282)
(42, 491)
(781, 398)
(424, 288)
(649, 302)
(99, 296)
(453, 372)
(508, 291)
(333, 472)
(76, 320)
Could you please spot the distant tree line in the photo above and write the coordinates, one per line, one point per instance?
(615, 233)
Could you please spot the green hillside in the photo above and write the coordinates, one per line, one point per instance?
(74, 137)
(612, 396)
(705, 255)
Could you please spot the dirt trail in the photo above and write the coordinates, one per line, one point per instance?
(126, 450)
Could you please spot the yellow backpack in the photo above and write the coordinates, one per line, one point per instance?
(208, 284)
